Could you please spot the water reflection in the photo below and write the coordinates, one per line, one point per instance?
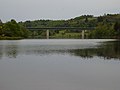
(107, 50)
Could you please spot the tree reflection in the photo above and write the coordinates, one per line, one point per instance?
(1, 52)
(107, 50)
(9, 51)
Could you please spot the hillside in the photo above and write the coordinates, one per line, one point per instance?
(81, 21)
(107, 26)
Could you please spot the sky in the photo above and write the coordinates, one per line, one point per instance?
(22, 10)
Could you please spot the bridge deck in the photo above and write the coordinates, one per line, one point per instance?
(60, 28)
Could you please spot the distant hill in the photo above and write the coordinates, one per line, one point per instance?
(106, 26)
(81, 21)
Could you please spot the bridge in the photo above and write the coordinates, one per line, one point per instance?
(83, 29)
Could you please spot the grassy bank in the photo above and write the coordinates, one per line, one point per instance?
(10, 38)
(67, 35)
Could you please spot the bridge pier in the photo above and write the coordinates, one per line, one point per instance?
(83, 34)
(33, 34)
(47, 34)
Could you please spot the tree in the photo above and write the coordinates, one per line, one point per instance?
(100, 19)
(117, 29)
(1, 22)
(117, 26)
(86, 19)
(1, 28)
(13, 29)
(103, 30)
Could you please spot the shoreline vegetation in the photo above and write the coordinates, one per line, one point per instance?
(107, 27)
(11, 38)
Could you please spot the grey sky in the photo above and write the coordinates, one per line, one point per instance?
(54, 9)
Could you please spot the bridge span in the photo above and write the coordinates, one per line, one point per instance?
(83, 29)
(60, 28)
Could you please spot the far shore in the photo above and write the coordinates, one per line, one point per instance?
(10, 38)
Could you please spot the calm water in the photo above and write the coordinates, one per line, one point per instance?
(60, 64)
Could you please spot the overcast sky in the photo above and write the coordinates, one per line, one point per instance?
(22, 10)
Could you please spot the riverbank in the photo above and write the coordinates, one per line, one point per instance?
(10, 38)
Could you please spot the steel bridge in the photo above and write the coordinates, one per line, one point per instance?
(83, 29)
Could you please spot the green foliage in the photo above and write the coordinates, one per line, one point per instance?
(117, 26)
(117, 29)
(100, 19)
(13, 29)
(103, 31)
(66, 34)
(107, 26)
(82, 21)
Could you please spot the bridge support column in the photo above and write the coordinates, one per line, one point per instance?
(47, 34)
(83, 34)
(33, 34)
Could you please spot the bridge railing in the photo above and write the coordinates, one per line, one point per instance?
(60, 28)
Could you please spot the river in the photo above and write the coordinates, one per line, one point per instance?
(60, 64)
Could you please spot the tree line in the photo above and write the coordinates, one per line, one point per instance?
(107, 26)
(12, 29)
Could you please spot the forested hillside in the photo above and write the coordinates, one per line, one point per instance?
(107, 26)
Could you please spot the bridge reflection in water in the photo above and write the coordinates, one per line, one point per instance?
(81, 29)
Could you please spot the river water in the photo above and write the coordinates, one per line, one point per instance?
(60, 64)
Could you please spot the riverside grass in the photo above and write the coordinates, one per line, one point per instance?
(10, 38)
